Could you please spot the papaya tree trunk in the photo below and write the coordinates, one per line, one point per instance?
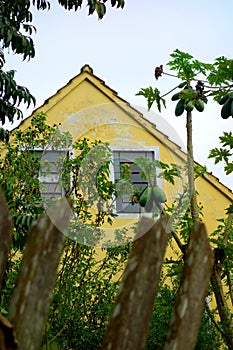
(190, 161)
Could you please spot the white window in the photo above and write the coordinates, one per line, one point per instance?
(50, 172)
(124, 206)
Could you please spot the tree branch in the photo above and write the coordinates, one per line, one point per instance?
(229, 222)
(207, 309)
(223, 309)
(204, 81)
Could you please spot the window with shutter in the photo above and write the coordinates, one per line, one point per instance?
(124, 204)
(49, 172)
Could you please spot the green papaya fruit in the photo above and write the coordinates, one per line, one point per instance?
(145, 196)
(226, 109)
(159, 195)
(199, 105)
(188, 93)
(182, 85)
(176, 96)
(188, 106)
(149, 204)
(223, 99)
(179, 108)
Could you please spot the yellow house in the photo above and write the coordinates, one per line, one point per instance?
(87, 107)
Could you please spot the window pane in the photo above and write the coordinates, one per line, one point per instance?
(123, 204)
(51, 164)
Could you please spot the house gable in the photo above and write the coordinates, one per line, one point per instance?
(87, 107)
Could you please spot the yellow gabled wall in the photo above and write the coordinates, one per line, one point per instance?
(88, 108)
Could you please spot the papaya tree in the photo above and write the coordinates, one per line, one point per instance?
(200, 81)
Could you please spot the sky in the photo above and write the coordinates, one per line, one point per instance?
(124, 48)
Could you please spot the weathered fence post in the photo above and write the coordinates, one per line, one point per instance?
(7, 335)
(5, 235)
(131, 316)
(191, 295)
(32, 295)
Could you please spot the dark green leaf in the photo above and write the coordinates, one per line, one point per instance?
(182, 85)
(219, 154)
(152, 95)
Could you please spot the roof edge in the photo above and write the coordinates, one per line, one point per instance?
(150, 126)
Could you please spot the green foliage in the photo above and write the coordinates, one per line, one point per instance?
(94, 192)
(152, 95)
(94, 5)
(208, 337)
(16, 35)
(89, 181)
(221, 72)
(18, 175)
(218, 85)
(169, 172)
(186, 66)
(15, 21)
(224, 153)
(199, 170)
(4, 135)
(10, 276)
(227, 139)
(86, 288)
(82, 277)
(84, 296)
(12, 95)
(160, 318)
(187, 69)
(151, 196)
(19, 170)
(224, 251)
(151, 169)
(218, 81)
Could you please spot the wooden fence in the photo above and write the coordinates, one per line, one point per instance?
(131, 315)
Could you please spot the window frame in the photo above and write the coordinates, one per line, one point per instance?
(69, 151)
(156, 153)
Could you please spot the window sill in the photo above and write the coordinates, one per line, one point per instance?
(133, 215)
